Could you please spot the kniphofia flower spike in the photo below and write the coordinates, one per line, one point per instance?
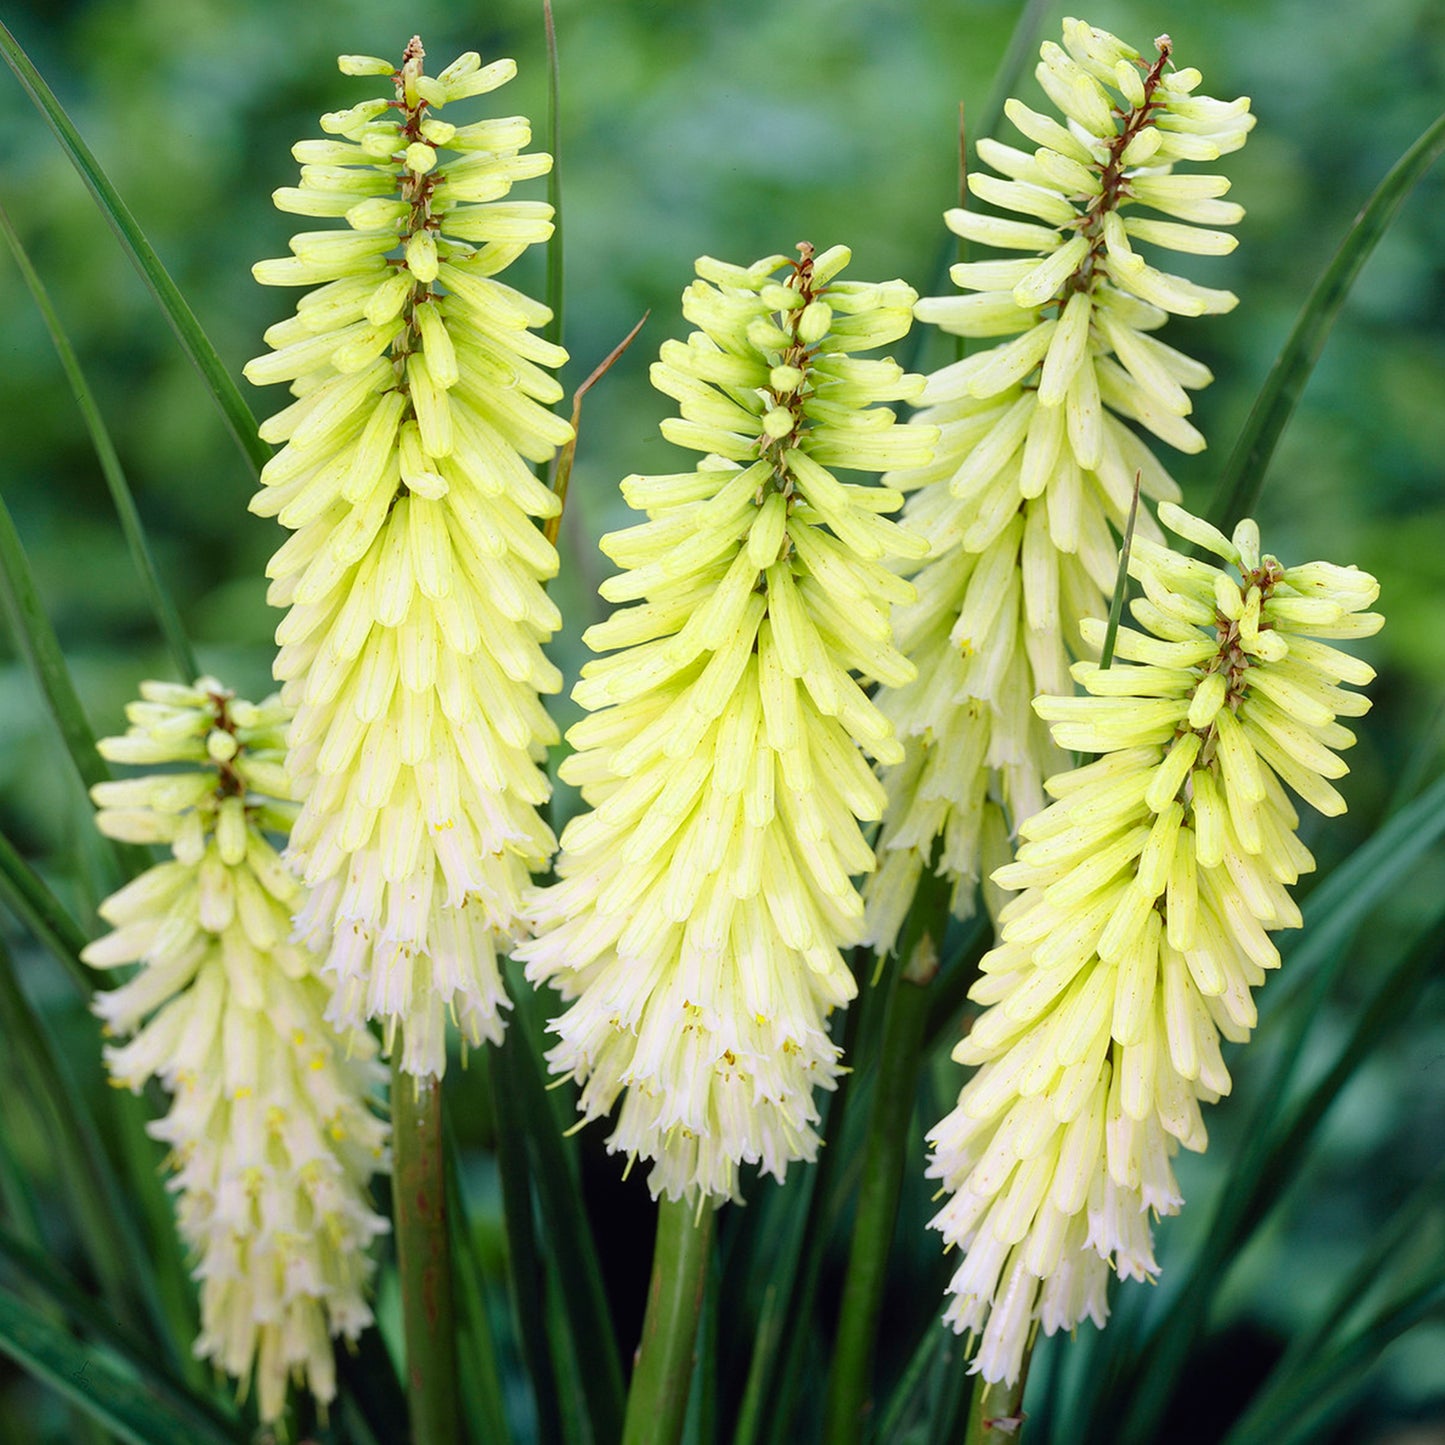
(270, 1128)
(1146, 894)
(412, 648)
(1039, 452)
(704, 898)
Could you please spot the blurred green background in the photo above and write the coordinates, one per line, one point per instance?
(737, 129)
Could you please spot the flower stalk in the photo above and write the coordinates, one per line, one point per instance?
(995, 1413)
(889, 1153)
(271, 1134)
(423, 1253)
(657, 1401)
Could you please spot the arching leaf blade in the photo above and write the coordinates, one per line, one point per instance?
(193, 339)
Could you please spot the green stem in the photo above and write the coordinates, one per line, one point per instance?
(889, 1137)
(657, 1401)
(423, 1257)
(995, 1414)
(556, 282)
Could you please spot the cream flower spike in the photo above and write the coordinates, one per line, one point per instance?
(270, 1131)
(704, 899)
(1037, 459)
(412, 648)
(1146, 894)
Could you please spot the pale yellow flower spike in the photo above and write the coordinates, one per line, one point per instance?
(272, 1140)
(412, 648)
(1146, 894)
(704, 899)
(1036, 460)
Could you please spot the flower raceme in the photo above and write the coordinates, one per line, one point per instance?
(412, 648)
(1146, 895)
(271, 1136)
(1038, 456)
(703, 900)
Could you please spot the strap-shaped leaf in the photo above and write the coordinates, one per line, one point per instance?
(42, 1278)
(37, 641)
(1269, 1161)
(117, 1392)
(130, 524)
(101, 1207)
(25, 893)
(1400, 1229)
(524, 1108)
(481, 1384)
(1244, 472)
(117, 214)
(1298, 1408)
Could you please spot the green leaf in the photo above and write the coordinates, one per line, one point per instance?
(524, 1265)
(177, 311)
(25, 893)
(113, 1242)
(1396, 1234)
(54, 928)
(99, 1381)
(1296, 1408)
(130, 523)
(955, 978)
(926, 1402)
(1021, 51)
(524, 1107)
(36, 639)
(887, 1154)
(1341, 903)
(1244, 472)
(1121, 581)
(797, 1204)
(774, 1392)
(481, 1382)
(370, 1391)
(1278, 1137)
(70, 1302)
